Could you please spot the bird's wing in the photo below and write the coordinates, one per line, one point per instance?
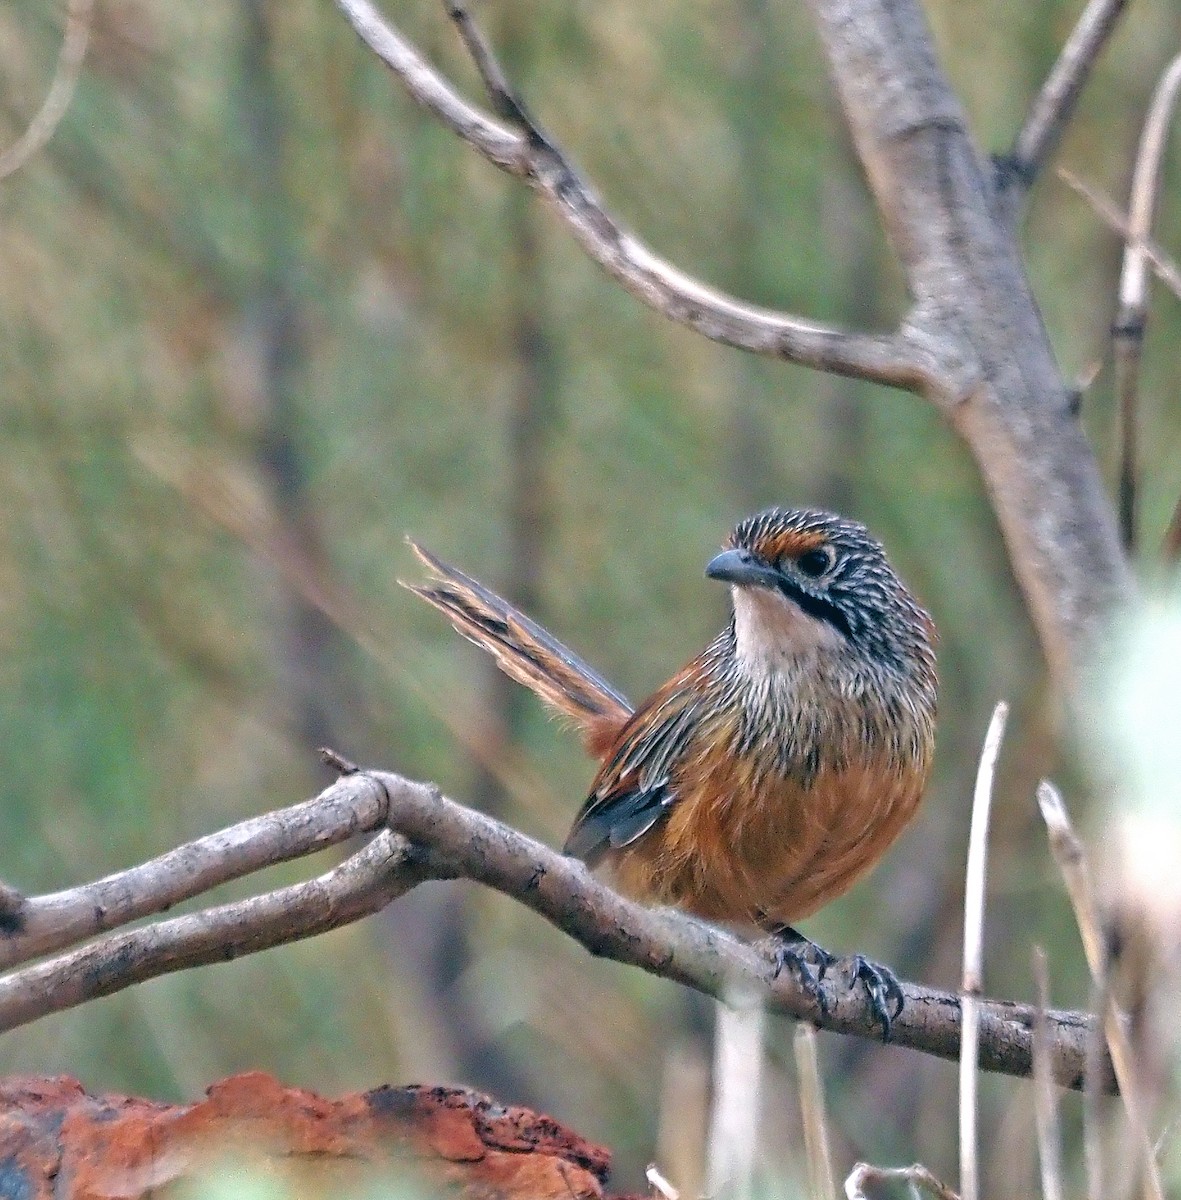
(635, 785)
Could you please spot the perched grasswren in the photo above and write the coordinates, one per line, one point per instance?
(773, 771)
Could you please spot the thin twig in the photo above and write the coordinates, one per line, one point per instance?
(899, 359)
(1068, 854)
(916, 1175)
(61, 91)
(973, 978)
(1132, 314)
(51, 922)
(1054, 105)
(1165, 267)
(1049, 1130)
(823, 1185)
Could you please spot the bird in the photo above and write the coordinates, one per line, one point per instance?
(771, 772)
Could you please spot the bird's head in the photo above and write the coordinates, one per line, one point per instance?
(802, 578)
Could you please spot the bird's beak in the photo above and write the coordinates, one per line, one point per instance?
(742, 568)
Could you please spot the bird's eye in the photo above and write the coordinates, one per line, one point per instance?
(816, 562)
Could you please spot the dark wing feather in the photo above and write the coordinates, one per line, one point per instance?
(634, 788)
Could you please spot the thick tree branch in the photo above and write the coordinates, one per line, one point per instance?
(965, 271)
(431, 837)
(900, 359)
(1054, 105)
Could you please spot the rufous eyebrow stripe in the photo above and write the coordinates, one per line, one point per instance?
(791, 543)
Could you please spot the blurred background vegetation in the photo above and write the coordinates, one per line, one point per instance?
(262, 318)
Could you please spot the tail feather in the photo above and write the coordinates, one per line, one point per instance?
(525, 652)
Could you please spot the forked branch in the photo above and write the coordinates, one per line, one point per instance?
(523, 150)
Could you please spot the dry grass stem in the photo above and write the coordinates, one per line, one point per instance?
(822, 1182)
(1166, 268)
(1132, 313)
(916, 1175)
(1146, 177)
(734, 1119)
(1068, 854)
(1093, 1131)
(1049, 1130)
(974, 888)
(61, 91)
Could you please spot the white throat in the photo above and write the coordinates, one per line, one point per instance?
(774, 636)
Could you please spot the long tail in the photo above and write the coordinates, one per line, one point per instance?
(526, 652)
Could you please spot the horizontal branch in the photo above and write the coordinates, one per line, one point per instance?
(47, 923)
(431, 837)
(363, 884)
(901, 359)
(665, 942)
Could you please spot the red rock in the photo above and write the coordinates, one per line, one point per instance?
(57, 1141)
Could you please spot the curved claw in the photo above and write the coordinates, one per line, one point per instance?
(882, 987)
(811, 963)
(807, 961)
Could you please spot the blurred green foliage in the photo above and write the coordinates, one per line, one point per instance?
(262, 317)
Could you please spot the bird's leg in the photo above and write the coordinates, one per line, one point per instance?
(811, 963)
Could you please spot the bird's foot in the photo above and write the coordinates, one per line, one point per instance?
(882, 987)
(806, 960)
(811, 964)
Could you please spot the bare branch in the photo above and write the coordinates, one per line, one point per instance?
(61, 91)
(361, 885)
(50, 922)
(710, 960)
(1132, 314)
(1054, 105)
(450, 841)
(1068, 854)
(973, 341)
(973, 977)
(900, 359)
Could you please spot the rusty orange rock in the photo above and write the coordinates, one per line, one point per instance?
(57, 1141)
